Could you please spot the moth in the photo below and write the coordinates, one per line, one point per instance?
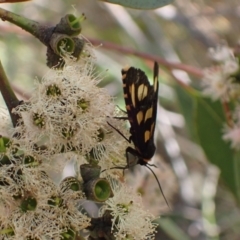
(141, 100)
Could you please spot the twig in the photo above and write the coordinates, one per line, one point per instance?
(108, 45)
(8, 95)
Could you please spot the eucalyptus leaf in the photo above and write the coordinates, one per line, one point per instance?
(172, 229)
(209, 120)
(187, 105)
(205, 121)
(141, 4)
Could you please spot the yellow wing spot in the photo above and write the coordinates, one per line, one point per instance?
(148, 114)
(139, 117)
(147, 135)
(132, 91)
(142, 92)
(124, 76)
(145, 91)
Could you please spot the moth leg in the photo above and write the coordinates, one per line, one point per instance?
(121, 118)
(121, 110)
(152, 165)
(117, 167)
(129, 140)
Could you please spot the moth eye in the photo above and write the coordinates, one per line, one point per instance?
(139, 117)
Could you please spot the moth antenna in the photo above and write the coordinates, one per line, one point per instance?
(159, 185)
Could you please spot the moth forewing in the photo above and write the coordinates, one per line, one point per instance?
(142, 92)
(152, 128)
(156, 84)
(148, 114)
(139, 117)
(132, 94)
(155, 71)
(147, 135)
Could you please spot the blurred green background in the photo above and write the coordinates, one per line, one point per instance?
(202, 207)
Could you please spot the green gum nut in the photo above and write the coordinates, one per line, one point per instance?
(55, 60)
(89, 172)
(61, 42)
(98, 190)
(70, 25)
(70, 183)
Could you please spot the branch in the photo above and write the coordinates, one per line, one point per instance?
(108, 45)
(8, 95)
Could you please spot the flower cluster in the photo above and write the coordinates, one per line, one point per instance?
(69, 112)
(68, 118)
(218, 81)
(130, 220)
(64, 111)
(221, 82)
(33, 206)
(232, 132)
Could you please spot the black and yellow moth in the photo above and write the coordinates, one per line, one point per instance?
(141, 100)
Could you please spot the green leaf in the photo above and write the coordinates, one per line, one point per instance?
(205, 121)
(141, 4)
(237, 174)
(187, 105)
(209, 120)
(171, 229)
